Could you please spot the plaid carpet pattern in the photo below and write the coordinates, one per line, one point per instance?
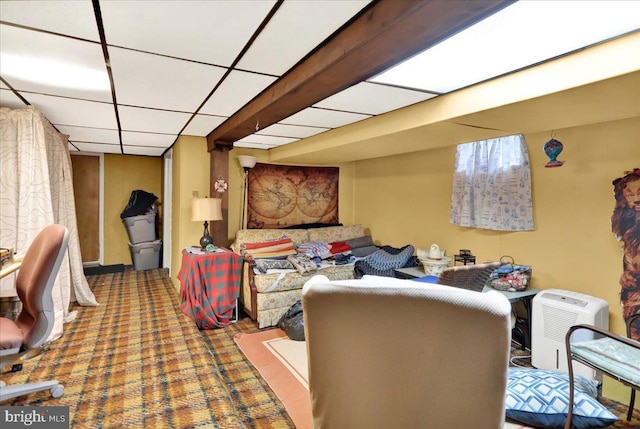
(135, 361)
(257, 404)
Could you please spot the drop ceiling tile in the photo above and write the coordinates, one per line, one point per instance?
(142, 150)
(148, 80)
(296, 29)
(253, 145)
(73, 18)
(46, 53)
(235, 91)
(202, 125)
(373, 99)
(297, 131)
(69, 111)
(266, 140)
(132, 138)
(97, 147)
(151, 120)
(90, 135)
(9, 99)
(323, 118)
(209, 31)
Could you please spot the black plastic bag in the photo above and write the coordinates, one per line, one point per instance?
(292, 322)
(139, 203)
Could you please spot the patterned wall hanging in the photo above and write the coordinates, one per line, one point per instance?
(285, 195)
(625, 224)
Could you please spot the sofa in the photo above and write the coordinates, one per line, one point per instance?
(266, 297)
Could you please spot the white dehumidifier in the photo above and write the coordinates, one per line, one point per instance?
(554, 312)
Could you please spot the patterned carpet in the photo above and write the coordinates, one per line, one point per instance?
(136, 361)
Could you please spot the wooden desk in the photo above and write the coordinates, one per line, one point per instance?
(210, 287)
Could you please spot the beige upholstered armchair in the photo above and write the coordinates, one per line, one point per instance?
(389, 353)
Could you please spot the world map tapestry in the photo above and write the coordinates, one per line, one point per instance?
(285, 195)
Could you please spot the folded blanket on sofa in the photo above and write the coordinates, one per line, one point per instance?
(303, 264)
(278, 248)
(384, 261)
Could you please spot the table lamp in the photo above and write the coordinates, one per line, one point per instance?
(206, 209)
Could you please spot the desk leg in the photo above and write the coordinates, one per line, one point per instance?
(527, 306)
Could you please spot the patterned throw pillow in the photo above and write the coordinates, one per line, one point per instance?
(540, 398)
(262, 265)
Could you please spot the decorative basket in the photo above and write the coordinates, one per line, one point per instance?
(510, 277)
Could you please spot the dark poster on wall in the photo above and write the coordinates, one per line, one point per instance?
(285, 195)
(625, 224)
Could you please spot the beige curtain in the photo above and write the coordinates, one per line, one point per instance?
(36, 191)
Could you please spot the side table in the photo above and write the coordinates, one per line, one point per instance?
(210, 287)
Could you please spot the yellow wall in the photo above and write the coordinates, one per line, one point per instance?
(190, 169)
(406, 199)
(123, 174)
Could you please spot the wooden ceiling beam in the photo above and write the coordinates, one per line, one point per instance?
(386, 33)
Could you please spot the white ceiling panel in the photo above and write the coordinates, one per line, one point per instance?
(133, 138)
(154, 81)
(235, 91)
(293, 131)
(209, 31)
(139, 150)
(373, 99)
(202, 125)
(74, 18)
(151, 120)
(68, 111)
(96, 135)
(275, 50)
(323, 118)
(252, 145)
(43, 54)
(96, 147)
(9, 99)
(266, 140)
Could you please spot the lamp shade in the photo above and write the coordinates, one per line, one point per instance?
(206, 209)
(247, 161)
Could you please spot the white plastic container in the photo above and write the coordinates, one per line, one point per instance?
(146, 256)
(141, 228)
(433, 267)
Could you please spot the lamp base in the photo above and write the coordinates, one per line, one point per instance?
(206, 238)
(205, 241)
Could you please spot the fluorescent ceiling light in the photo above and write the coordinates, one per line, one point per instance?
(520, 35)
(54, 73)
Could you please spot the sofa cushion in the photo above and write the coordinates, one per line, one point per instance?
(277, 282)
(336, 233)
(258, 235)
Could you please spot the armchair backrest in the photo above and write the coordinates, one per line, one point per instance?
(389, 353)
(34, 284)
